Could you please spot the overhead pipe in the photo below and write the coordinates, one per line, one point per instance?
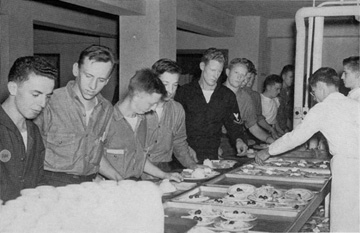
(300, 16)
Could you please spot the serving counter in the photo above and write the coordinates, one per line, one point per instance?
(270, 216)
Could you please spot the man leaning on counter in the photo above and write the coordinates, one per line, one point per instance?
(74, 121)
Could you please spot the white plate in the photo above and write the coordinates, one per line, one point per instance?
(245, 189)
(237, 215)
(207, 176)
(223, 164)
(206, 212)
(227, 226)
(299, 194)
(203, 222)
(194, 199)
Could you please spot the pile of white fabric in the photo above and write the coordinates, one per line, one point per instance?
(107, 206)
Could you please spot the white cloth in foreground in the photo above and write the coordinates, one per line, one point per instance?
(109, 207)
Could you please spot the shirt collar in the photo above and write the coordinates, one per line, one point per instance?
(118, 115)
(334, 96)
(70, 89)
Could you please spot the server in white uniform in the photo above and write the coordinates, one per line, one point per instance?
(337, 118)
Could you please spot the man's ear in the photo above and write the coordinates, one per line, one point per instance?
(227, 71)
(12, 87)
(202, 66)
(75, 69)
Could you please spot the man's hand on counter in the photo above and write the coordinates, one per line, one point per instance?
(173, 176)
(261, 156)
(241, 147)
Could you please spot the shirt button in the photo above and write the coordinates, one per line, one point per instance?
(22, 159)
(155, 141)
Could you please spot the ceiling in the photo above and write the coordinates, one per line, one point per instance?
(264, 8)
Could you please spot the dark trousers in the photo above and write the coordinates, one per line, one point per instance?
(58, 179)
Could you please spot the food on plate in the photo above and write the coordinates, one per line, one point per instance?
(193, 198)
(167, 187)
(237, 215)
(206, 211)
(299, 194)
(266, 193)
(198, 173)
(233, 225)
(219, 164)
(241, 191)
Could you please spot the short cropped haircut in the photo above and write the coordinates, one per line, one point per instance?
(286, 69)
(98, 53)
(326, 75)
(271, 80)
(24, 66)
(166, 65)
(237, 61)
(213, 54)
(251, 67)
(352, 63)
(146, 80)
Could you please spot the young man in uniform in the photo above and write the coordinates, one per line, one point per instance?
(208, 106)
(31, 83)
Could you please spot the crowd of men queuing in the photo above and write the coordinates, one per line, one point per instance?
(72, 134)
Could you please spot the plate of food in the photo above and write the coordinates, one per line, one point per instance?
(193, 198)
(299, 194)
(201, 221)
(199, 174)
(223, 201)
(266, 194)
(237, 215)
(219, 164)
(166, 187)
(206, 211)
(241, 191)
(232, 225)
(260, 146)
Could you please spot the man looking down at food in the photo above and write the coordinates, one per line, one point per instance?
(166, 125)
(126, 142)
(338, 119)
(31, 82)
(73, 123)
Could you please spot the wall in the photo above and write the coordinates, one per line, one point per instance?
(69, 46)
(245, 42)
(341, 39)
(17, 30)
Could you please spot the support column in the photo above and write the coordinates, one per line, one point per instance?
(145, 39)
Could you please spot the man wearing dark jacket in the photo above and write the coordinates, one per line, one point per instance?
(208, 106)
(31, 82)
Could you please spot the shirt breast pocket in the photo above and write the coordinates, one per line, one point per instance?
(62, 144)
(116, 158)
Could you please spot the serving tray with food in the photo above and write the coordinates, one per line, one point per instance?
(264, 199)
(219, 164)
(293, 174)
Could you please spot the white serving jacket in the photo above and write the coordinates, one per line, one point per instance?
(338, 119)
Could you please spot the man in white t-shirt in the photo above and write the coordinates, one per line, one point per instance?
(270, 102)
(351, 76)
